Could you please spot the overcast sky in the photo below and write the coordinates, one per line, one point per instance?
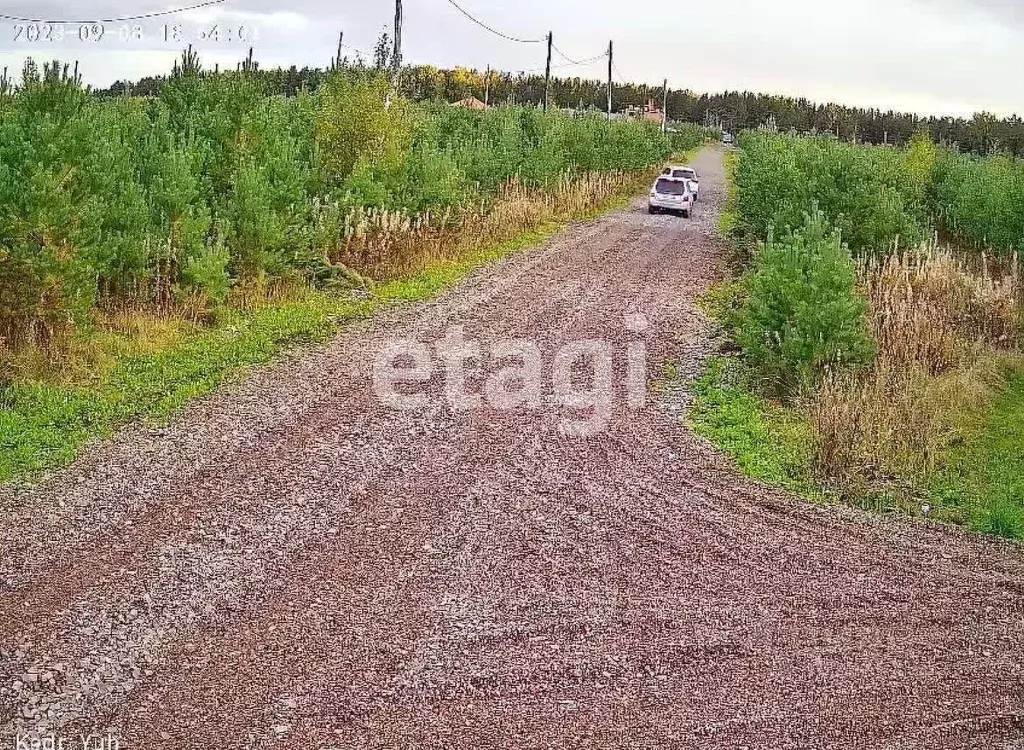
(927, 56)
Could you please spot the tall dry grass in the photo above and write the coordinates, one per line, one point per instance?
(944, 325)
(935, 309)
(385, 245)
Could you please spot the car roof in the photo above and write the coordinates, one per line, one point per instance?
(671, 179)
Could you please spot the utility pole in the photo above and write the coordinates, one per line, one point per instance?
(487, 86)
(396, 61)
(664, 107)
(336, 61)
(610, 53)
(547, 73)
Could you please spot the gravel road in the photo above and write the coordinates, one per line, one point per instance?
(292, 564)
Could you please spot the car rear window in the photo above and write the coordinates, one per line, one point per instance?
(670, 187)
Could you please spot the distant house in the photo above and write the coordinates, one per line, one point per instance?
(649, 111)
(471, 103)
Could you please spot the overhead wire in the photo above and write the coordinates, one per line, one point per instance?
(559, 66)
(122, 19)
(571, 61)
(493, 30)
(622, 81)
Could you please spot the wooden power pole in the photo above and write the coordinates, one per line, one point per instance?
(664, 107)
(487, 86)
(336, 62)
(611, 51)
(547, 73)
(396, 61)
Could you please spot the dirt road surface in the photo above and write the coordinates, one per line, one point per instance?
(291, 564)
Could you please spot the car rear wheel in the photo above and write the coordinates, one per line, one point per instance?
(652, 210)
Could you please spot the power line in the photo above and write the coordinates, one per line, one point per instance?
(591, 60)
(491, 29)
(571, 61)
(554, 66)
(622, 81)
(141, 17)
(356, 49)
(560, 66)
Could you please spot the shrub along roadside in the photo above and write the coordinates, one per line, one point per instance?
(802, 315)
(893, 367)
(892, 437)
(173, 204)
(874, 196)
(44, 425)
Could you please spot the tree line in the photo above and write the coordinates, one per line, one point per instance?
(984, 133)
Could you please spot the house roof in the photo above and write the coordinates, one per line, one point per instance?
(470, 103)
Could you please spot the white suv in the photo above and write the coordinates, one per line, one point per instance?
(685, 173)
(671, 194)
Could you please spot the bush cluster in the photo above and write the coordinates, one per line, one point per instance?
(876, 195)
(873, 195)
(940, 329)
(982, 199)
(177, 198)
(876, 198)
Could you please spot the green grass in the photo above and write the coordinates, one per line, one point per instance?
(729, 219)
(983, 486)
(768, 442)
(44, 426)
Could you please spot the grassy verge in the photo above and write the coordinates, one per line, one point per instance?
(44, 425)
(767, 441)
(729, 219)
(983, 485)
(892, 370)
(980, 485)
(977, 482)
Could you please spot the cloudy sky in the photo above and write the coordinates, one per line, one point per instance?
(928, 56)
